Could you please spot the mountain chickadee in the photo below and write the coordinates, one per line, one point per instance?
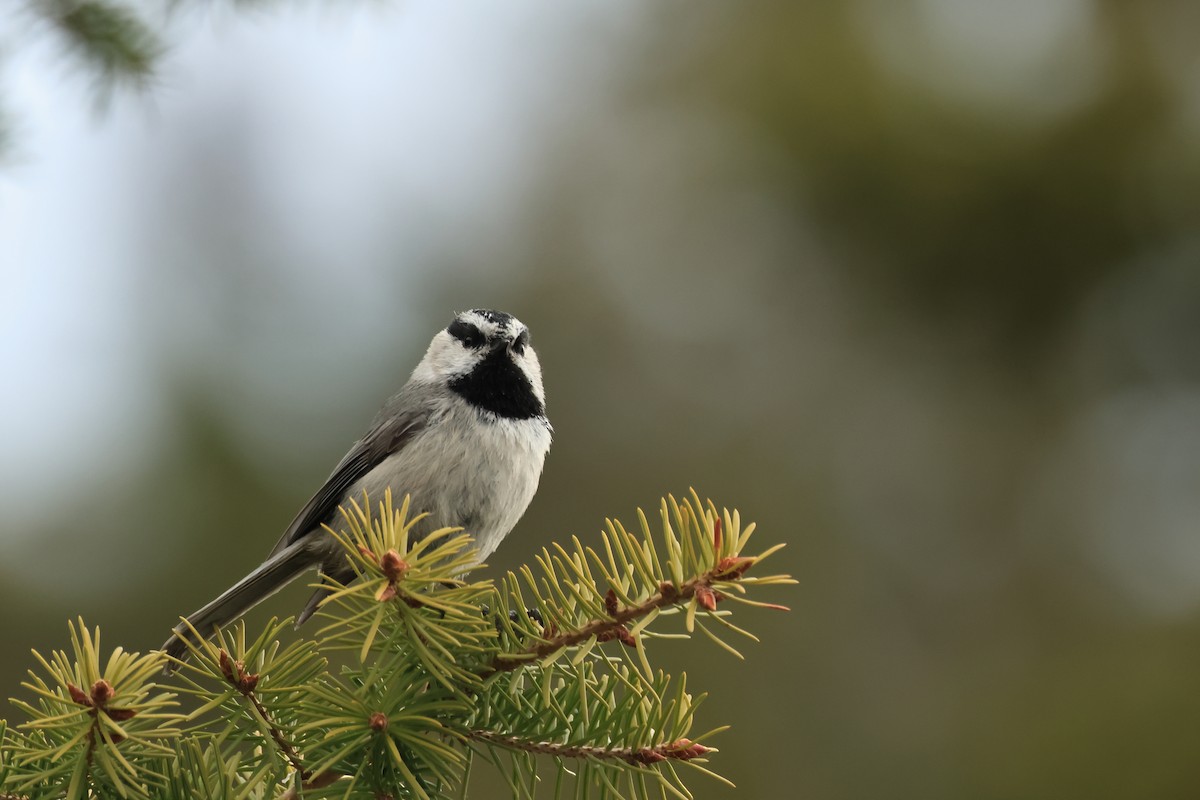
(465, 437)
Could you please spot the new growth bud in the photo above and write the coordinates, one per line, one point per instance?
(78, 695)
(102, 692)
(393, 566)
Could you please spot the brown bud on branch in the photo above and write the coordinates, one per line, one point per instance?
(393, 566)
(78, 695)
(102, 692)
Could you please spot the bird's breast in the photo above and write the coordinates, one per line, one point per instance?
(478, 474)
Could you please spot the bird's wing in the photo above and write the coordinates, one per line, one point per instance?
(385, 438)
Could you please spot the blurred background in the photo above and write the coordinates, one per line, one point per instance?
(912, 283)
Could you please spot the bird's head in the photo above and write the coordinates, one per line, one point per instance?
(486, 358)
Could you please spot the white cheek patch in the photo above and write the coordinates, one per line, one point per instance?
(529, 364)
(446, 358)
(456, 360)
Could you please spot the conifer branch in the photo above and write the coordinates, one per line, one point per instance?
(244, 682)
(615, 625)
(680, 749)
(425, 679)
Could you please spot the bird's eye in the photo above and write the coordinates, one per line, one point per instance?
(519, 344)
(466, 333)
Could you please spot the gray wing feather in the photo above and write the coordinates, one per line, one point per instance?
(390, 433)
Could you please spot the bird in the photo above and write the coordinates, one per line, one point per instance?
(466, 438)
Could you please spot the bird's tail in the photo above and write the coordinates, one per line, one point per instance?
(271, 576)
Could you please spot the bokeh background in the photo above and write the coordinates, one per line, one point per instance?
(912, 283)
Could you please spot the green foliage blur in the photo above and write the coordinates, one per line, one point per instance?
(921, 304)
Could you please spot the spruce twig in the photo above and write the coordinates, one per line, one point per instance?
(243, 681)
(614, 626)
(680, 749)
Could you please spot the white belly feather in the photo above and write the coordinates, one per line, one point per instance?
(489, 471)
